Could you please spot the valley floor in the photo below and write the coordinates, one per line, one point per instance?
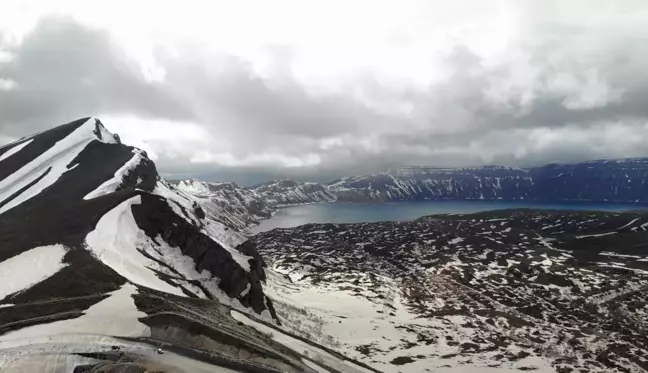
(490, 292)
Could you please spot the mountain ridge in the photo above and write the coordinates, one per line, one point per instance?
(98, 254)
(622, 180)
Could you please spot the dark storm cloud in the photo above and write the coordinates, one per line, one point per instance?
(64, 70)
(281, 107)
(553, 102)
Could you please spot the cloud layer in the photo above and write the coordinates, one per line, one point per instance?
(526, 86)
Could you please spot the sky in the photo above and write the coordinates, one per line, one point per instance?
(251, 91)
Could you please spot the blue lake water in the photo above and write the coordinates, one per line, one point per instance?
(398, 211)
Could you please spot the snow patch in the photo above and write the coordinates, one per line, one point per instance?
(29, 268)
(595, 235)
(111, 185)
(116, 315)
(629, 224)
(455, 240)
(14, 150)
(114, 242)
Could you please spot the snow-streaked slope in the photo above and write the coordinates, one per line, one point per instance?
(116, 315)
(623, 180)
(29, 268)
(119, 243)
(311, 351)
(14, 150)
(111, 185)
(501, 291)
(94, 245)
(240, 207)
(423, 183)
(287, 192)
(352, 323)
(115, 242)
(199, 188)
(228, 203)
(46, 169)
(185, 205)
(65, 354)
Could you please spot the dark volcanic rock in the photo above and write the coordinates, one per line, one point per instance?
(155, 217)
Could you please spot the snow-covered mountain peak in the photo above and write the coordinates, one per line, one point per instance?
(106, 235)
(29, 170)
(82, 170)
(101, 132)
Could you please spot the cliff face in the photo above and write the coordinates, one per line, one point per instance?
(239, 207)
(228, 203)
(287, 192)
(406, 184)
(619, 180)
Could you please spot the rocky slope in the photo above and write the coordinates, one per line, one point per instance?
(102, 261)
(615, 180)
(286, 192)
(240, 207)
(524, 290)
(228, 203)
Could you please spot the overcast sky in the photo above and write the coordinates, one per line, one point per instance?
(254, 90)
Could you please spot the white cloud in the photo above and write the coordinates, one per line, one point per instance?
(340, 85)
(591, 92)
(7, 84)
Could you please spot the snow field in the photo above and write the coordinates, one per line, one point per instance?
(29, 268)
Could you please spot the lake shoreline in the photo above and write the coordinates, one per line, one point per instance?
(359, 212)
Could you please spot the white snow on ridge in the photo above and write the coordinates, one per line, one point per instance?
(116, 315)
(57, 157)
(29, 268)
(194, 186)
(228, 239)
(111, 185)
(176, 198)
(218, 232)
(114, 242)
(14, 150)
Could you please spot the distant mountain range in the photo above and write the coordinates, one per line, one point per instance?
(622, 180)
(603, 180)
